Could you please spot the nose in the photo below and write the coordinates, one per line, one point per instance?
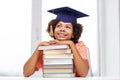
(62, 29)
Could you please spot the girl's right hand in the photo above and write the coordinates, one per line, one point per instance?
(44, 43)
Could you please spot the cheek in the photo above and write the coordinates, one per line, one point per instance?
(55, 32)
(70, 34)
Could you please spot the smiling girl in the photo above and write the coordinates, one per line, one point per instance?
(66, 30)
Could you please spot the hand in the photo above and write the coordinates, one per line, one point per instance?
(68, 42)
(44, 43)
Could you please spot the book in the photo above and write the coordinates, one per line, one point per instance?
(59, 66)
(58, 61)
(60, 51)
(69, 75)
(58, 56)
(47, 47)
(60, 70)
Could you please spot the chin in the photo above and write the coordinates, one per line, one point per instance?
(61, 39)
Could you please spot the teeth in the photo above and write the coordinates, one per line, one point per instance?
(61, 34)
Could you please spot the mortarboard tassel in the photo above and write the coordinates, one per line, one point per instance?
(51, 31)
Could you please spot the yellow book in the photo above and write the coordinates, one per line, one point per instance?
(60, 51)
(59, 66)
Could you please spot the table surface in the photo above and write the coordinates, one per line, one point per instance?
(79, 78)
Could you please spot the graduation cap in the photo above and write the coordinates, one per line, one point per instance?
(67, 14)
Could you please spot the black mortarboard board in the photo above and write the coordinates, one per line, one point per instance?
(67, 14)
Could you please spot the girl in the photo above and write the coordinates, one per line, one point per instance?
(66, 30)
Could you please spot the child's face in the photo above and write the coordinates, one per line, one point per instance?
(63, 31)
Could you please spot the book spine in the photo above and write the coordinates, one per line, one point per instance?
(58, 56)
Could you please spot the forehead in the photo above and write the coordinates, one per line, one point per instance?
(66, 23)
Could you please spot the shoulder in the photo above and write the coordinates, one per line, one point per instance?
(81, 47)
(80, 44)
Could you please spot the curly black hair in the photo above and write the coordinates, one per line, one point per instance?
(77, 29)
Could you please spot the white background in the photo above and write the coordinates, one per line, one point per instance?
(15, 36)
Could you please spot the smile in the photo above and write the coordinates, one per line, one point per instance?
(62, 35)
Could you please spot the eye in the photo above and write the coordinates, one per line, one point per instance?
(58, 25)
(68, 27)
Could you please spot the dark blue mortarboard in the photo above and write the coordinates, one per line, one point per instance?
(67, 14)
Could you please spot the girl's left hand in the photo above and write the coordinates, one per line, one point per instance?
(60, 42)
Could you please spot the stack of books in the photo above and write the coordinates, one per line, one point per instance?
(58, 61)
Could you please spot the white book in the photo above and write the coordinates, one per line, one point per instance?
(58, 56)
(70, 70)
(48, 47)
(70, 75)
(58, 61)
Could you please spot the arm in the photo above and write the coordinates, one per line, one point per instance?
(30, 65)
(81, 64)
